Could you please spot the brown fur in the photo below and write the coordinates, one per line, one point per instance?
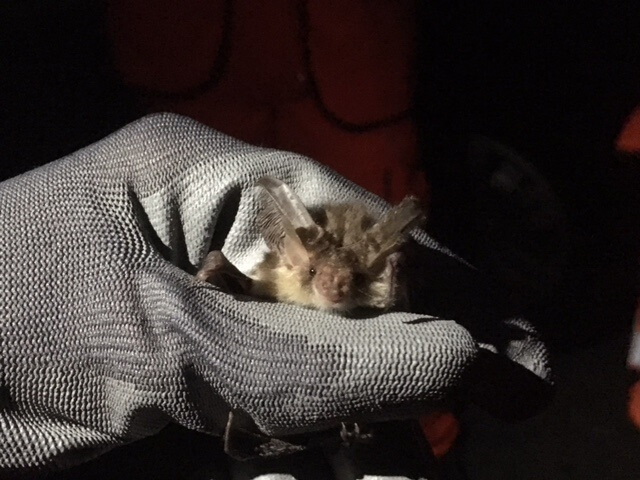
(338, 257)
(342, 249)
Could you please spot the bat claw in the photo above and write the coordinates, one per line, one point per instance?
(219, 271)
(353, 434)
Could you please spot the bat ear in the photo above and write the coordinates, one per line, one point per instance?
(282, 220)
(391, 231)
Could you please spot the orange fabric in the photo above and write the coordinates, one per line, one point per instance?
(629, 138)
(629, 142)
(441, 430)
(360, 57)
(634, 404)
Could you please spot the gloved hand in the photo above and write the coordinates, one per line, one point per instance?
(106, 336)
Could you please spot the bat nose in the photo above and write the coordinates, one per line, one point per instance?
(335, 296)
(335, 286)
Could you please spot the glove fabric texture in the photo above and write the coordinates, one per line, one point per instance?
(106, 336)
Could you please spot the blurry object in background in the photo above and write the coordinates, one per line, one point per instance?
(441, 430)
(520, 225)
(554, 83)
(633, 359)
(629, 139)
(333, 81)
(628, 142)
(633, 364)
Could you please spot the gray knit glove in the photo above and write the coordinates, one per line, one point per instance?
(106, 336)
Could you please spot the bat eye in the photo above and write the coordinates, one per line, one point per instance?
(358, 278)
(312, 271)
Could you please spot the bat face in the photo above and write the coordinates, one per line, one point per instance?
(332, 288)
(338, 259)
(327, 281)
(334, 280)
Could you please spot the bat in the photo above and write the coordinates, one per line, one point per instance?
(338, 257)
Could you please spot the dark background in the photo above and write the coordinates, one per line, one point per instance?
(555, 81)
(552, 80)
